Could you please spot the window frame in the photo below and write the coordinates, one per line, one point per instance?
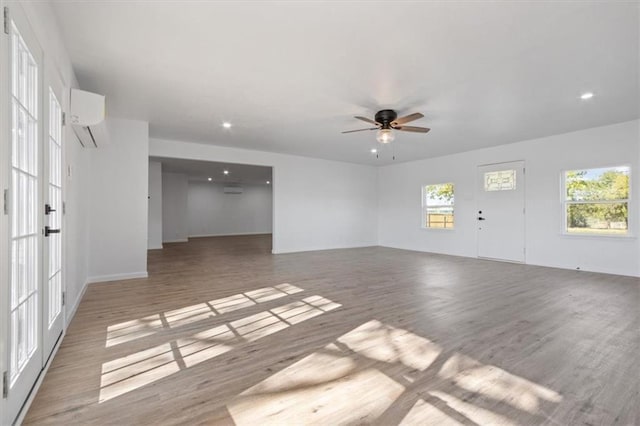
(564, 203)
(425, 206)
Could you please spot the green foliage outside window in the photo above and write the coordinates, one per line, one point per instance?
(597, 200)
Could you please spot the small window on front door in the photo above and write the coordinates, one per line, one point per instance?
(501, 180)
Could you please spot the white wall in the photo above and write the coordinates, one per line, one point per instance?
(175, 225)
(212, 212)
(400, 202)
(154, 237)
(318, 204)
(118, 203)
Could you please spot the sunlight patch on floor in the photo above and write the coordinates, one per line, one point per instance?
(126, 374)
(135, 329)
(472, 412)
(423, 413)
(132, 330)
(320, 388)
(496, 383)
(338, 384)
(389, 344)
(359, 377)
(136, 370)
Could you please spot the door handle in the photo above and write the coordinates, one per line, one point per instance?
(481, 218)
(48, 209)
(48, 231)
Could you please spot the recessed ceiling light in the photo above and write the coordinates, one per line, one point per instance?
(268, 182)
(226, 125)
(209, 179)
(226, 172)
(587, 95)
(373, 150)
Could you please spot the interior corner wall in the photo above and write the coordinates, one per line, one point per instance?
(175, 225)
(118, 203)
(317, 204)
(399, 208)
(154, 237)
(211, 212)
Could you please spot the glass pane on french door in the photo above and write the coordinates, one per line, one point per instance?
(54, 275)
(24, 189)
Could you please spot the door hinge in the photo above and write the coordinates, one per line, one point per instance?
(524, 170)
(5, 385)
(64, 208)
(6, 20)
(64, 118)
(5, 201)
(64, 297)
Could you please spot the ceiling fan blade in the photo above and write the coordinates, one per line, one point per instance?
(368, 120)
(412, 129)
(360, 130)
(407, 118)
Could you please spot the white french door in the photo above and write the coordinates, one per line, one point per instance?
(33, 311)
(52, 318)
(500, 215)
(25, 349)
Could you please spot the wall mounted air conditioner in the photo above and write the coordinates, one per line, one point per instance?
(233, 190)
(87, 114)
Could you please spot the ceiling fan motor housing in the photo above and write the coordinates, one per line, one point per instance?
(386, 117)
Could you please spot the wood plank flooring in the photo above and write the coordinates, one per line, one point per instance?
(223, 332)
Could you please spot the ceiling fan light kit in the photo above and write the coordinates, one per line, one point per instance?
(386, 121)
(385, 136)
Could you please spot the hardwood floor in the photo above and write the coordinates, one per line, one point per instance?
(223, 332)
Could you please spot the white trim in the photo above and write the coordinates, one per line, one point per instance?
(302, 249)
(156, 247)
(43, 373)
(117, 277)
(72, 312)
(229, 235)
(182, 240)
(34, 390)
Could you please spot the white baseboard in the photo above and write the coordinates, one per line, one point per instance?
(155, 247)
(34, 390)
(229, 235)
(182, 240)
(72, 311)
(318, 248)
(117, 277)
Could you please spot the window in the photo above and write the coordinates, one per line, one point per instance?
(437, 206)
(596, 201)
(501, 180)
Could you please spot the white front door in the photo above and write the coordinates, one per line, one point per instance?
(25, 212)
(500, 214)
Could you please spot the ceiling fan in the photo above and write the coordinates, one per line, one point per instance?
(386, 121)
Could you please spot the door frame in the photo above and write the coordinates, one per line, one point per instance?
(4, 219)
(524, 205)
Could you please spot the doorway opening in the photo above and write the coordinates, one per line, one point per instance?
(191, 200)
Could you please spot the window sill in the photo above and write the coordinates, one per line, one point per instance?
(424, 228)
(598, 236)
